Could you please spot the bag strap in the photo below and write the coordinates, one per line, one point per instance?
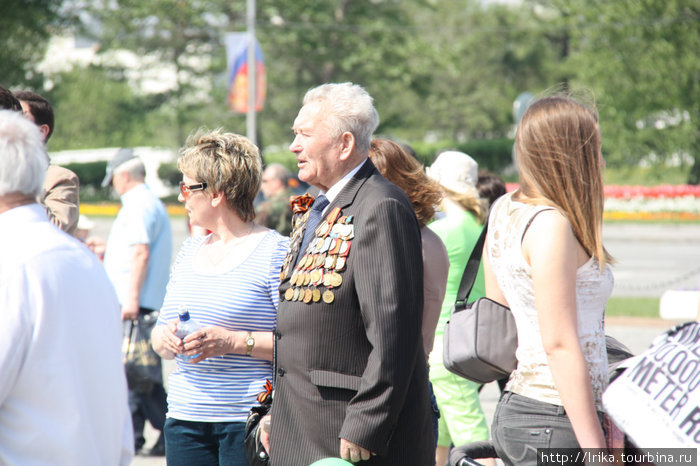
(471, 270)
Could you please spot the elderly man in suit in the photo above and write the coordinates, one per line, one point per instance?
(351, 374)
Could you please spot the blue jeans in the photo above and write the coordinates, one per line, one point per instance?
(521, 425)
(190, 443)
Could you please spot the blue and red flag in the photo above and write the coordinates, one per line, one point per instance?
(237, 57)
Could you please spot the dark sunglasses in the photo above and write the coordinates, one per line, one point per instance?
(186, 190)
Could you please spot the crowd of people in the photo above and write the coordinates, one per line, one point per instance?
(338, 297)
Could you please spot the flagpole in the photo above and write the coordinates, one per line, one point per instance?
(250, 116)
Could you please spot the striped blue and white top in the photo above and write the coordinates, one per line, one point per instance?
(223, 388)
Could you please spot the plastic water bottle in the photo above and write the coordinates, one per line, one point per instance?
(186, 326)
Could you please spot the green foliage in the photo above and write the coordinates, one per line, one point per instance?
(640, 60)
(89, 173)
(446, 71)
(95, 108)
(281, 156)
(644, 176)
(169, 173)
(26, 26)
(632, 307)
(492, 154)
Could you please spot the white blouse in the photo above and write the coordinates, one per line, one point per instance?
(508, 222)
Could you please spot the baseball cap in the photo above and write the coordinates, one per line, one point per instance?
(124, 155)
(455, 171)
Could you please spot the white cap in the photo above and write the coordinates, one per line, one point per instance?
(455, 171)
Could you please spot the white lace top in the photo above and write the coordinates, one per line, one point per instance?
(532, 377)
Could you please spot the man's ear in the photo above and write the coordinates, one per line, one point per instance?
(44, 129)
(347, 141)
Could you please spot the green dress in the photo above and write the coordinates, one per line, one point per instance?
(461, 418)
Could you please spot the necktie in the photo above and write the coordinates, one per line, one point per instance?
(315, 213)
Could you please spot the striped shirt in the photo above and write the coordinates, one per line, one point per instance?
(223, 388)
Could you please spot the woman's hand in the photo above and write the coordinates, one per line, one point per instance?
(207, 342)
(165, 342)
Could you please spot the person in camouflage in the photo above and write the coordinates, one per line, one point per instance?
(274, 212)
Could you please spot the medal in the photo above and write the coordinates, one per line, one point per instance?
(336, 279)
(316, 295)
(289, 294)
(328, 297)
(307, 295)
(316, 276)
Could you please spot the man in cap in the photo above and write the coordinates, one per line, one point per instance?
(63, 395)
(137, 260)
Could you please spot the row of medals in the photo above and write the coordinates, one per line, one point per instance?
(324, 259)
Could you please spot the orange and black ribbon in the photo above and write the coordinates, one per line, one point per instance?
(262, 396)
(301, 204)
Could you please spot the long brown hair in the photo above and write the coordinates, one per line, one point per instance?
(407, 173)
(557, 147)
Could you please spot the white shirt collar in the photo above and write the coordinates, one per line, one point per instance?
(334, 190)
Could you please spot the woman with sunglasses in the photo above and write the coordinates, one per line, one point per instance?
(228, 281)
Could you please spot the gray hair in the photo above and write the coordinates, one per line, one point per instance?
(350, 108)
(133, 167)
(23, 158)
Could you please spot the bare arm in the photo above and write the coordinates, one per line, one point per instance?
(217, 341)
(208, 342)
(139, 268)
(554, 255)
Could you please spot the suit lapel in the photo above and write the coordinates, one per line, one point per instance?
(349, 192)
(343, 199)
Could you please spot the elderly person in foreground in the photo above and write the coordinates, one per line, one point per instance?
(63, 394)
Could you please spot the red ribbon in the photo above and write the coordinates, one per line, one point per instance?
(300, 204)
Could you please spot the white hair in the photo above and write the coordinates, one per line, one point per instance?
(350, 108)
(23, 158)
(133, 167)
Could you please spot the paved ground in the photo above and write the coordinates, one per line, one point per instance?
(651, 259)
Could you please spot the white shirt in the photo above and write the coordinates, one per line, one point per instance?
(63, 395)
(533, 377)
(334, 190)
(141, 220)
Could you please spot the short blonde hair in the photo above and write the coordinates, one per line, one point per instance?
(228, 163)
(558, 151)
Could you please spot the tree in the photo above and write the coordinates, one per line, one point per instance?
(26, 26)
(94, 110)
(640, 60)
(308, 43)
(180, 38)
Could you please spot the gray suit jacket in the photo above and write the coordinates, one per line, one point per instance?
(355, 367)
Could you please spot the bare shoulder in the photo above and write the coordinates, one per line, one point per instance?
(546, 223)
(549, 233)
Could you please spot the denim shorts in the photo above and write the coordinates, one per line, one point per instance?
(521, 425)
